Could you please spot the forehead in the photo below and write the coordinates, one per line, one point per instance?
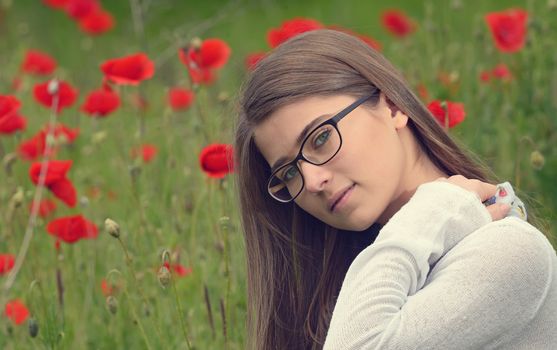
(276, 136)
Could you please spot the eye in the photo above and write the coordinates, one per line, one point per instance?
(289, 173)
(321, 137)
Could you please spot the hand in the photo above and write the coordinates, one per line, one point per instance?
(484, 190)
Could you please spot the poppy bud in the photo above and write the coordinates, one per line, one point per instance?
(223, 96)
(17, 198)
(53, 87)
(112, 228)
(8, 162)
(83, 201)
(50, 140)
(135, 171)
(196, 43)
(537, 160)
(164, 276)
(112, 304)
(99, 136)
(224, 223)
(33, 327)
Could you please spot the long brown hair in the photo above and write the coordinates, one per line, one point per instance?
(295, 262)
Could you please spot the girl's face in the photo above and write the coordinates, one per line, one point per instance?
(365, 181)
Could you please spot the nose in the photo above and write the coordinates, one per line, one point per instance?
(315, 176)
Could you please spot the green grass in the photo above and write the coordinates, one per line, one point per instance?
(173, 205)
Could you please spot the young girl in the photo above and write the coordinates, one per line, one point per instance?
(363, 220)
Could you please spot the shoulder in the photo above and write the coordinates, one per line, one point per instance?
(508, 258)
(512, 237)
(513, 241)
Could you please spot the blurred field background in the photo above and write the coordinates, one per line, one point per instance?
(170, 204)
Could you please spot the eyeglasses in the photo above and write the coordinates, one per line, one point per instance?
(319, 147)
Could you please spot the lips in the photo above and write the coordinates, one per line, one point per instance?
(332, 202)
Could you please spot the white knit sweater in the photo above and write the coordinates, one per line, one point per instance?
(442, 275)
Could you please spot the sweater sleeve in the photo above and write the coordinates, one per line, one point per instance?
(383, 303)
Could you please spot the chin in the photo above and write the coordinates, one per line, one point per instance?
(356, 224)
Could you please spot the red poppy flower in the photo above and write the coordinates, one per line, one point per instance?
(56, 180)
(502, 72)
(447, 112)
(397, 23)
(62, 131)
(16, 84)
(11, 123)
(108, 288)
(101, 102)
(71, 229)
(508, 29)
(291, 28)
(7, 262)
(371, 42)
(10, 120)
(57, 4)
(485, 76)
(8, 105)
(198, 75)
(128, 70)
(147, 152)
(253, 58)
(179, 270)
(367, 39)
(216, 160)
(38, 63)
(56, 170)
(97, 22)
(61, 93)
(79, 9)
(422, 92)
(212, 54)
(16, 311)
(34, 147)
(180, 99)
(46, 207)
(202, 76)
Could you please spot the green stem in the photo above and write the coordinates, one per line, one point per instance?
(141, 329)
(137, 285)
(179, 309)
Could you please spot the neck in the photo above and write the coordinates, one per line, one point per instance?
(419, 170)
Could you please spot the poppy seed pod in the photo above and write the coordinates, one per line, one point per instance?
(112, 304)
(164, 276)
(537, 160)
(33, 327)
(112, 228)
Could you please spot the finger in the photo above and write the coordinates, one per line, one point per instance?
(486, 190)
(498, 211)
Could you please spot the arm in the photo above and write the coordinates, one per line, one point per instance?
(481, 295)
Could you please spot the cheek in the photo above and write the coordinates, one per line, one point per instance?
(367, 155)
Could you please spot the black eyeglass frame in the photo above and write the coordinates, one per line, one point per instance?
(334, 120)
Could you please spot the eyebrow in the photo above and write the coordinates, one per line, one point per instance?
(309, 127)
